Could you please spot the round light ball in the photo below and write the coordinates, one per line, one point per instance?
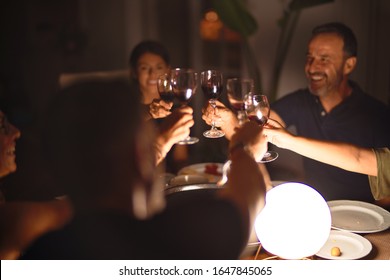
(295, 222)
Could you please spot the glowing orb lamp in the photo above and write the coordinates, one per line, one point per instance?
(295, 222)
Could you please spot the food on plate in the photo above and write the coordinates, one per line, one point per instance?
(335, 252)
(212, 168)
(212, 171)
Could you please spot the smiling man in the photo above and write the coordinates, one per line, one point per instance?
(334, 108)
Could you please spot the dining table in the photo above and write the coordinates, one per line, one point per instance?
(380, 249)
(380, 245)
(367, 215)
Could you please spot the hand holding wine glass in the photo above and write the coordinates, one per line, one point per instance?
(212, 85)
(258, 110)
(184, 83)
(237, 90)
(160, 108)
(164, 88)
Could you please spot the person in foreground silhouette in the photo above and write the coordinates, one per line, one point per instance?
(101, 151)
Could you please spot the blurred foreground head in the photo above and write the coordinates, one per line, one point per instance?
(100, 151)
(8, 136)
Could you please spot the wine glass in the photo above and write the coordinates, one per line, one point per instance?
(211, 82)
(257, 109)
(184, 83)
(164, 88)
(237, 90)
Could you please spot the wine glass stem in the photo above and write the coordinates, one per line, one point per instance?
(241, 117)
(214, 105)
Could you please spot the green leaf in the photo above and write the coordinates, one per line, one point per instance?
(235, 15)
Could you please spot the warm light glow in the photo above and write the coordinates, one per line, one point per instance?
(211, 16)
(295, 222)
(211, 26)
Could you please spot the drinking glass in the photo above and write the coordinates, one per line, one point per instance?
(184, 83)
(257, 109)
(237, 90)
(211, 82)
(164, 88)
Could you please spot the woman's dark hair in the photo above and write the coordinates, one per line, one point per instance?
(148, 47)
(346, 33)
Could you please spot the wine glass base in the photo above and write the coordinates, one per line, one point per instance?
(213, 133)
(188, 141)
(269, 156)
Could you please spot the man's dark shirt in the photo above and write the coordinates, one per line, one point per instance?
(360, 119)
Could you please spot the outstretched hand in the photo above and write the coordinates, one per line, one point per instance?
(276, 134)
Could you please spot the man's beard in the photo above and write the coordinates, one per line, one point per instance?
(317, 90)
(322, 91)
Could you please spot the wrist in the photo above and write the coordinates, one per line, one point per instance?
(161, 148)
(239, 147)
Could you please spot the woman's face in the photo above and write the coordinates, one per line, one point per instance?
(149, 67)
(8, 136)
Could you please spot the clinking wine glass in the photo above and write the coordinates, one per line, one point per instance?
(164, 88)
(237, 90)
(258, 109)
(184, 83)
(211, 82)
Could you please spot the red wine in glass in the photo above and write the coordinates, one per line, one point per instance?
(184, 96)
(258, 110)
(184, 83)
(237, 105)
(167, 96)
(261, 120)
(237, 91)
(212, 91)
(164, 88)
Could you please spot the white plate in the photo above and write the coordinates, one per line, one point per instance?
(358, 216)
(182, 180)
(201, 169)
(351, 245)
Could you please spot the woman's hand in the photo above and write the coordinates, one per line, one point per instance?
(160, 109)
(174, 128)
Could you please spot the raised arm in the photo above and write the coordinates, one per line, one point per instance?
(246, 186)
(343, 155)
(174, 128)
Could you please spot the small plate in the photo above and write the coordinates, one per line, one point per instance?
(351, 245)
(358, 216)
(211, 170)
